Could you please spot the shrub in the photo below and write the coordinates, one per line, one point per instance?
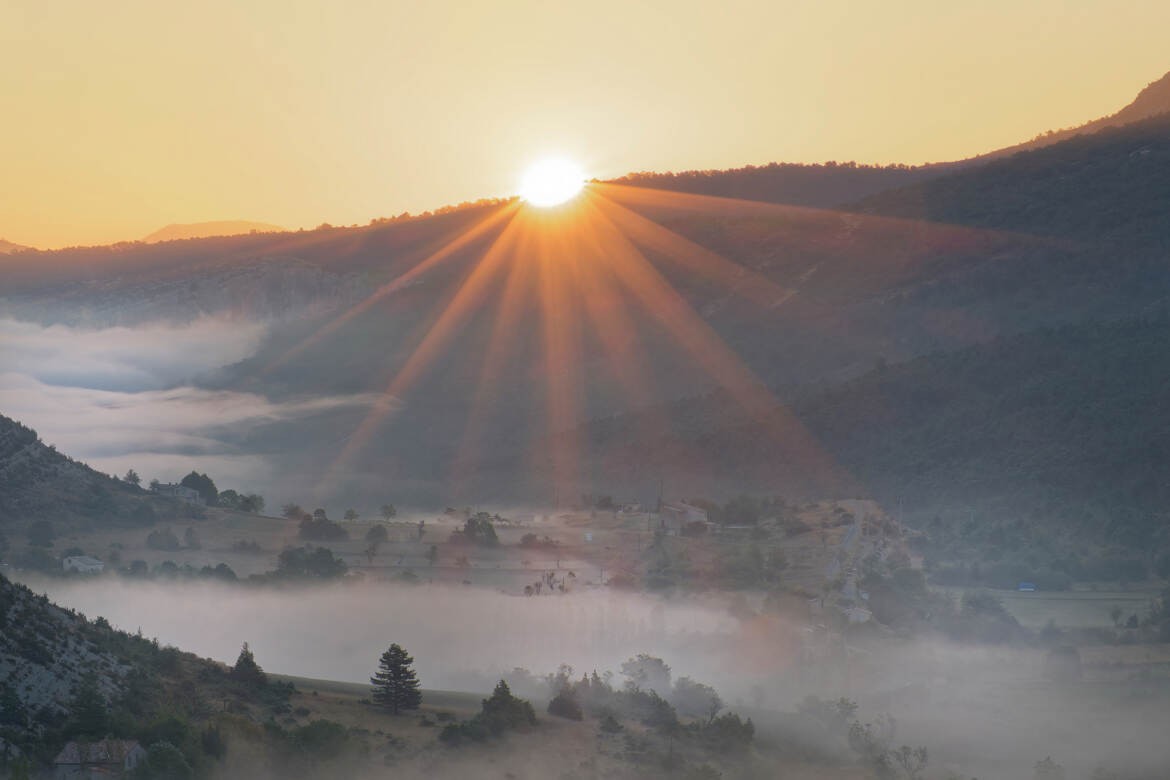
(164, 760)
(323, 739)
(565, 705)
(163, 539)
(500, 713)
(318, 527)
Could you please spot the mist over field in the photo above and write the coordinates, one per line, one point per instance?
(461, 636)
(987, 709)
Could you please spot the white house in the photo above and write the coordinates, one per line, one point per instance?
(83, 563)
(181, 492)
(107, 758)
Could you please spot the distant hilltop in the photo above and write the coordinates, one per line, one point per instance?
(229, 227)
(7, 247)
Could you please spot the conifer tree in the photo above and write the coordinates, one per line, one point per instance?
(247, 670)
(395, 683)
(90, 712)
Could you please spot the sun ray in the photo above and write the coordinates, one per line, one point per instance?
(559, 262)
(721, 364)
(650, 235)
(520, 281)
(431, 261)
(607, 310)
(469, 295)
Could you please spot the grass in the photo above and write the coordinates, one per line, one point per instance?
(1071, 608)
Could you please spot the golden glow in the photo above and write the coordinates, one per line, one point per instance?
(549, 282)
(552, 182)
(133, 115)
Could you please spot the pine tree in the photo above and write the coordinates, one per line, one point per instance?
(247, 670)
(395, 683)
(12, 710)
(90, 712)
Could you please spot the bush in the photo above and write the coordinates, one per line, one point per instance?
(309, 563)
(478, 530)
(164, 761)
(728, 733)
(249, 546)
(322, 739)
(163, 539)
(318, 527)
(565, 705)
(500, 713)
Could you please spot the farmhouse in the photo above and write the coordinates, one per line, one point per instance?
(109, 757)
(82, 563)
(181, 492)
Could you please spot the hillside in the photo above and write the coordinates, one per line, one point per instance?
(65, 677)
(7, 247)
(1047, 238)
(1105, 187)
(1048, 442)
(37, 483)
(824, 186)
(1153, 100)
(233, 227)
(836, 184)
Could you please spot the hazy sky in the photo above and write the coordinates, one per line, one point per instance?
(120, 117)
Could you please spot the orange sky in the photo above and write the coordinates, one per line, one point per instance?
(121, 117)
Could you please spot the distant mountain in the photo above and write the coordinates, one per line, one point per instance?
(818, 186)
(1047, 238)
(7, 247)
(835, 184)
(205, 229)
(1152, 101)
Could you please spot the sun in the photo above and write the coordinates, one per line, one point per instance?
(551, 182)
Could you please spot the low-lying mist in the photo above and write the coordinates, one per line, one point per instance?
(460, 636)
(983, 710)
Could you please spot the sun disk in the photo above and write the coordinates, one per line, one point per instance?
(551, 182)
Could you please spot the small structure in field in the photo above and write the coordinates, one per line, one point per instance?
(181, 492)
(673, 516)
(84, 564)
(106, 758)
(1027, 587)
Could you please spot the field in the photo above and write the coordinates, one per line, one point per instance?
(1071, 608)
(554, 748)
(579, 548)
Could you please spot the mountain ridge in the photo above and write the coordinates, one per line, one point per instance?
(230, 227)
